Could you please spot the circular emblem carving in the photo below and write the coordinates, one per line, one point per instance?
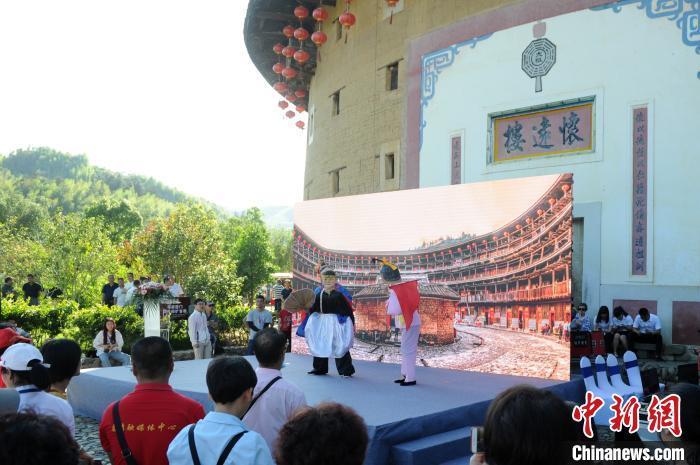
(538, 58)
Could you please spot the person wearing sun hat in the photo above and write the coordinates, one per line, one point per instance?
(22, 368)
(402, 304)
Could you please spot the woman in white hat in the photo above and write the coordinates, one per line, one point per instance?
(22, 368)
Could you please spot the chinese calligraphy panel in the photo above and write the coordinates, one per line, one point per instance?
(639, 190)
(554, 131)
(456, 160)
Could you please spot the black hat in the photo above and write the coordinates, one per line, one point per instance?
(327, 271)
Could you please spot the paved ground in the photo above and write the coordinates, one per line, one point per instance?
(88, 436)
(484, 350)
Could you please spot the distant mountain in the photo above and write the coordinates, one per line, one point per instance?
(276, 217)
(69, 183)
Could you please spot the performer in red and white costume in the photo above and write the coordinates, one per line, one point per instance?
(402, 304)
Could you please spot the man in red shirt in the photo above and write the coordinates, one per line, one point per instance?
(153, 414)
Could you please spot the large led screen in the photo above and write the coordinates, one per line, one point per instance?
(492, 259)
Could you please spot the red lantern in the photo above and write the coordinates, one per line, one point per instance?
(552, 201)
(301, 12)
(288, 31)
(320, 14)
(291, 97)
(301, 56)
(319, 38)
(290, 114)
(391, 4)
(518, 227)
(289, 72)
(300, 108)
(280, 87)
(300, 124)
(278, 48)
(301, 34)
(540, 212)
(347, 19)
(283, 104)
(566, 188)
(301, 93)
(288, 51)
(277, 68)
(528, 220)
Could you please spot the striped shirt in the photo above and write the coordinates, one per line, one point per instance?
(277, 291)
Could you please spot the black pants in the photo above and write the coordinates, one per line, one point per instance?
(278, 304)
(650, 339)
(608, 339)
(343, 364)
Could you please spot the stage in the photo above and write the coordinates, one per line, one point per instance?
(424, 424)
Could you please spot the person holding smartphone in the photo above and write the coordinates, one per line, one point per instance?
(108, 343)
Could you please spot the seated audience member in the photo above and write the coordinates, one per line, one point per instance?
(8, 337)
(527, 426)
(108, 343)
(275, 399)
(63, 357)
(221, 437)
(153, 413)
(621, 329)
(328, 433)
(28, 438)
(602, 324)
(23, 368)
(647, 329)
(581, 321)
(690, 423)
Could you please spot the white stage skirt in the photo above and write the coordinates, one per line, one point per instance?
(327, 337)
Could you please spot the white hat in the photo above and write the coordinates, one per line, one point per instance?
(18, 356)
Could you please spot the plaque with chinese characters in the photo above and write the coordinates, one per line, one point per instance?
(553, 131)
(639, 191)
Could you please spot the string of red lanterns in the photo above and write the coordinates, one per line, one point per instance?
(292, 54)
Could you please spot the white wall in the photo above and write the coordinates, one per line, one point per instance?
(623, 59)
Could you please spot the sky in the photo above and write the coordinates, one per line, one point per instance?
(158, 88)
(402, 220)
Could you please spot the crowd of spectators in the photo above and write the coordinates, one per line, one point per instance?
(621, 332)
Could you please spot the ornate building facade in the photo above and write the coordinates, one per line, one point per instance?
(437, 93)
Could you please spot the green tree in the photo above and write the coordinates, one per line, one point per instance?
(19, 255)
(281, 243)
(119, 217)
(216, 281)
(249, 242)
(79, 257)
(181, 243)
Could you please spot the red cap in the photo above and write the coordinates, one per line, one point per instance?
(8, 336)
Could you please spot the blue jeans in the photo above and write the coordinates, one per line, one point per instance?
(116, 355)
